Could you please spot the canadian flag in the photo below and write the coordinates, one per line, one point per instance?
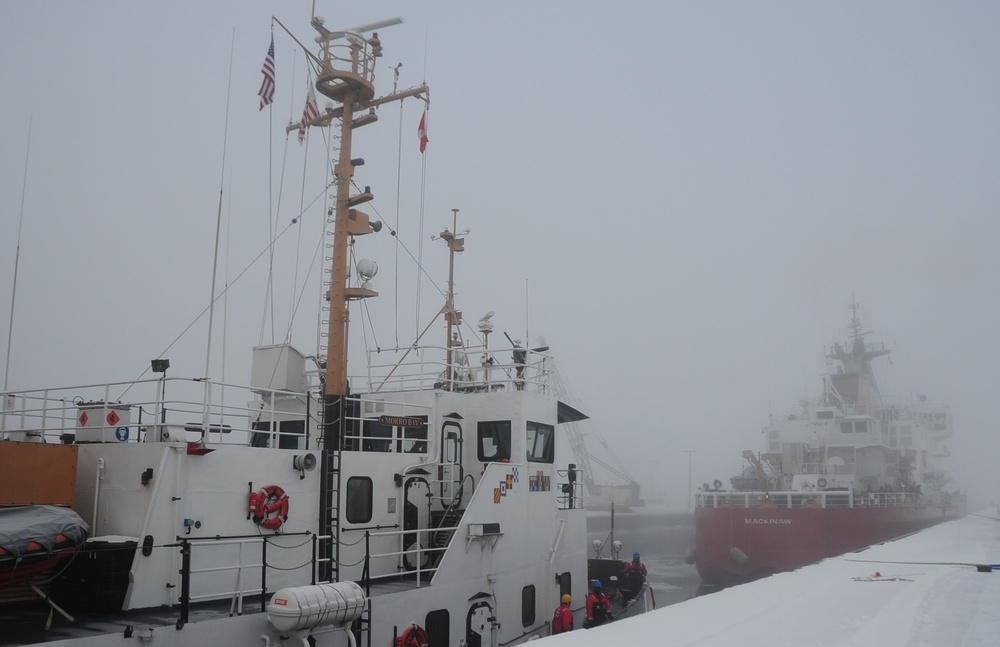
(422, 132)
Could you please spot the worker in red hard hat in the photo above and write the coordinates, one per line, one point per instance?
(562, 619)
(598, 607)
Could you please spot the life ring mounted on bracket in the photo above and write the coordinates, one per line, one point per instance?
(413, 636)
(269, 507)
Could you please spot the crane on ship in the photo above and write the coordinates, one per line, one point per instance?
(596, 493)
(766, 478)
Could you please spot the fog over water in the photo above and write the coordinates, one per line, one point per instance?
(682, 198)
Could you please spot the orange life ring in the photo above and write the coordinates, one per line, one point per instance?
(269, 507)
(414, 636)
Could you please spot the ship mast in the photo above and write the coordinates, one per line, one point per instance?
(452, 316)
(856, 383)
(354, 89)
(345, 74)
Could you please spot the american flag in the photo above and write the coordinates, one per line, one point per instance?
(267, 85)
(310, 112)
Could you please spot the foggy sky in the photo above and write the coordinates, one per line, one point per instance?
(681, 198)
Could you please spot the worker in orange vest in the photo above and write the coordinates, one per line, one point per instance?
(562, 619)
(635, 575)
(598, 607)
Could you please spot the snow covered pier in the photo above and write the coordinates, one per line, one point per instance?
(936, 587)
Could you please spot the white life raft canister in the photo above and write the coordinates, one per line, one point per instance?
(307, 607)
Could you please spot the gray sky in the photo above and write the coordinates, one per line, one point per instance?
(682, 198)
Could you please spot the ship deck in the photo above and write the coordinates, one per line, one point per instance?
(32, 621)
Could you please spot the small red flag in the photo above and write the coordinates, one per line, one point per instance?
(422, 132)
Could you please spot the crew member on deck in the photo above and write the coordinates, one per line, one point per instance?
(635, 575)
(520, 359)
(598, 607)
(562, 619)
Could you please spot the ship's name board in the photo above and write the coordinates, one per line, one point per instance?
(770, 522)
(401, 421)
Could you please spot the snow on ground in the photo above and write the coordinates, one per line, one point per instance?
(923, 589)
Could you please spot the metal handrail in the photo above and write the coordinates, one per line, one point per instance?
(422, 373)
(187, 572)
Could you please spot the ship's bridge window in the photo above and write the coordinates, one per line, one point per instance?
(414, 439)
(494, 440)
(290, 433)
(855, 426)
(376, 436)
(824, 415)
(541, 443)
(379, 437)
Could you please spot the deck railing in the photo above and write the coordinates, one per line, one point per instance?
(473, 369)
(819, 499)
(130, 411)
(175, 409)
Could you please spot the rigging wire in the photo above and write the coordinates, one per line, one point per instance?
(281, 193)
(474, 332)
(364, 305)
(420, 234)
(298, 301)
(298, 242)
(399, 166)
(401, 244)
(329, 137)
(206, 412)
(270, 204)
(423, 194)
(275, 209)
(218, 214)
(17, 256)
(225, 301)
(236, 280)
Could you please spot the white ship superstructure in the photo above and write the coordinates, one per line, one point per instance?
(416, 503)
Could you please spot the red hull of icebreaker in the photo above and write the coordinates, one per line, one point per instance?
(784, 539)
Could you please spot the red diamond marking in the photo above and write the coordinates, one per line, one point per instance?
(113, 418)
(83, 419)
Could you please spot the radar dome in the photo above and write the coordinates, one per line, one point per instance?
(367, 269)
